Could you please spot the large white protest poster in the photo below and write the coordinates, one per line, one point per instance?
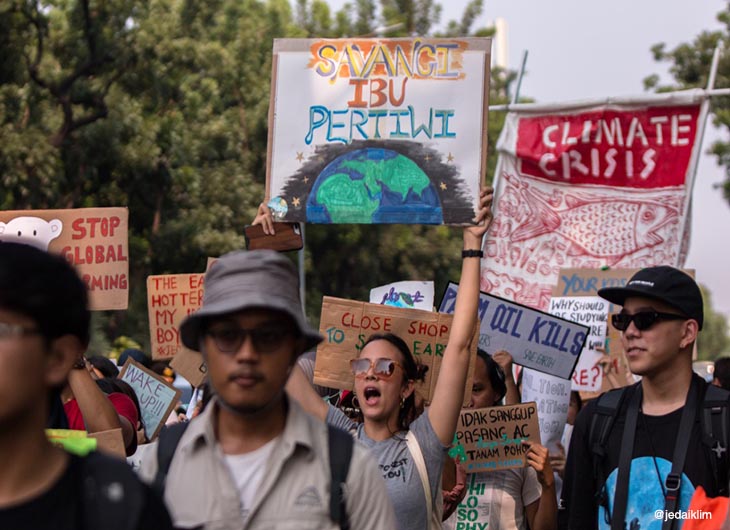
(593, 312)
(552, 396)
(588, 185)
(535, 339)
(378, 130)
(408, 294)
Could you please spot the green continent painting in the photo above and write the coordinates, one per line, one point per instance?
(373, 185)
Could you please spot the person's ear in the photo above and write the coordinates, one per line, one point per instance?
(408, 389)
(62, 354)
(690, 329)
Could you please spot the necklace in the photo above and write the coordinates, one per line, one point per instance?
(653, 451)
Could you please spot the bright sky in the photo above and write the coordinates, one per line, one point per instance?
(586, 50)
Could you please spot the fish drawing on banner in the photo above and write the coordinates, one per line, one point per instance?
(633, 224)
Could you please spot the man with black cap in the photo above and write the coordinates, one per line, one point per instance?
(253, 458)
(638, 453)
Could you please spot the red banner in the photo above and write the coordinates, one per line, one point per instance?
(589, 187)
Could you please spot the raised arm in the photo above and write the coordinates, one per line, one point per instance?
(300, 389)
(543, 513)
(449, 392)
(504, 360)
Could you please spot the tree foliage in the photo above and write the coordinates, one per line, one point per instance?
(713, 340)
(162, 106)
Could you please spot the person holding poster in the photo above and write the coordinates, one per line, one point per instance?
(44, 328)
(506, 498)
(638, 454)
(252, 458)
(385, 373)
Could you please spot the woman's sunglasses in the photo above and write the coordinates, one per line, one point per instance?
(381, 367)
(643, 320)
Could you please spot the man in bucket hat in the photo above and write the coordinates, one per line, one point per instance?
(638, 453)
(253, 458)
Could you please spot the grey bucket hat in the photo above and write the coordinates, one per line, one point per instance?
(241, 280)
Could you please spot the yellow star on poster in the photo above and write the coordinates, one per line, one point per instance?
(300, 156)
(295, 202)
(428, 158)
(450, 158)
(443, 186)
(306, 179)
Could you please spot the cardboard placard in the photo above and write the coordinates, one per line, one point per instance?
(592, 311)
(534, 338)
(73, 441)
(552, 396)
(410, 294)
(110, 442)
(191, 366)
(157, 398)
(170, 298)
(378, 130)
(491, 439)
(346, 325)
(94, 240)
(586, 282)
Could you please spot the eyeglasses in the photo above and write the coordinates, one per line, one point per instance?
(643, 320)
(264, 339)
(381, 367)
(16, 330)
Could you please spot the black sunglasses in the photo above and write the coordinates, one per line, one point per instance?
(643, 320)
(266, 339)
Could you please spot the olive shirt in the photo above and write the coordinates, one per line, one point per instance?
(295, 490)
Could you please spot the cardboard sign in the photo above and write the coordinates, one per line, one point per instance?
(491, 439)
(191, 366)
(587, 282)
(592, 311)
(346, 325)
(378, 130)
(534, 338)
(552, 396)
(94, 240)
(412, 295)
(110, 442)
(73, 441)
(157, 398)
(170, 298)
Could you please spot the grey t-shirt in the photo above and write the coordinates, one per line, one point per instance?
(398, 469)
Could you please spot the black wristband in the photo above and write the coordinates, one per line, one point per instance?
(472, 254)
(80, 363)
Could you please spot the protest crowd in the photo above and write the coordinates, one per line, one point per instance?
(554, 409)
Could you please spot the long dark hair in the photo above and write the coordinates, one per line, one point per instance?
(413, 371)
(495, 374)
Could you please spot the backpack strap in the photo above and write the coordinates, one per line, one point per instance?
(673, 482)
(433, 513)
(715, 420)
(607, 408)
(621, 493)
(167, 443)
(340, 445)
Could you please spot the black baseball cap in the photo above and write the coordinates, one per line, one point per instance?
(666, 284)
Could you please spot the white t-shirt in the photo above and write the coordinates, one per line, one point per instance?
(496, 500)
(247, 471)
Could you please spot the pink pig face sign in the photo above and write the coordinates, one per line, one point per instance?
(32, 231)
